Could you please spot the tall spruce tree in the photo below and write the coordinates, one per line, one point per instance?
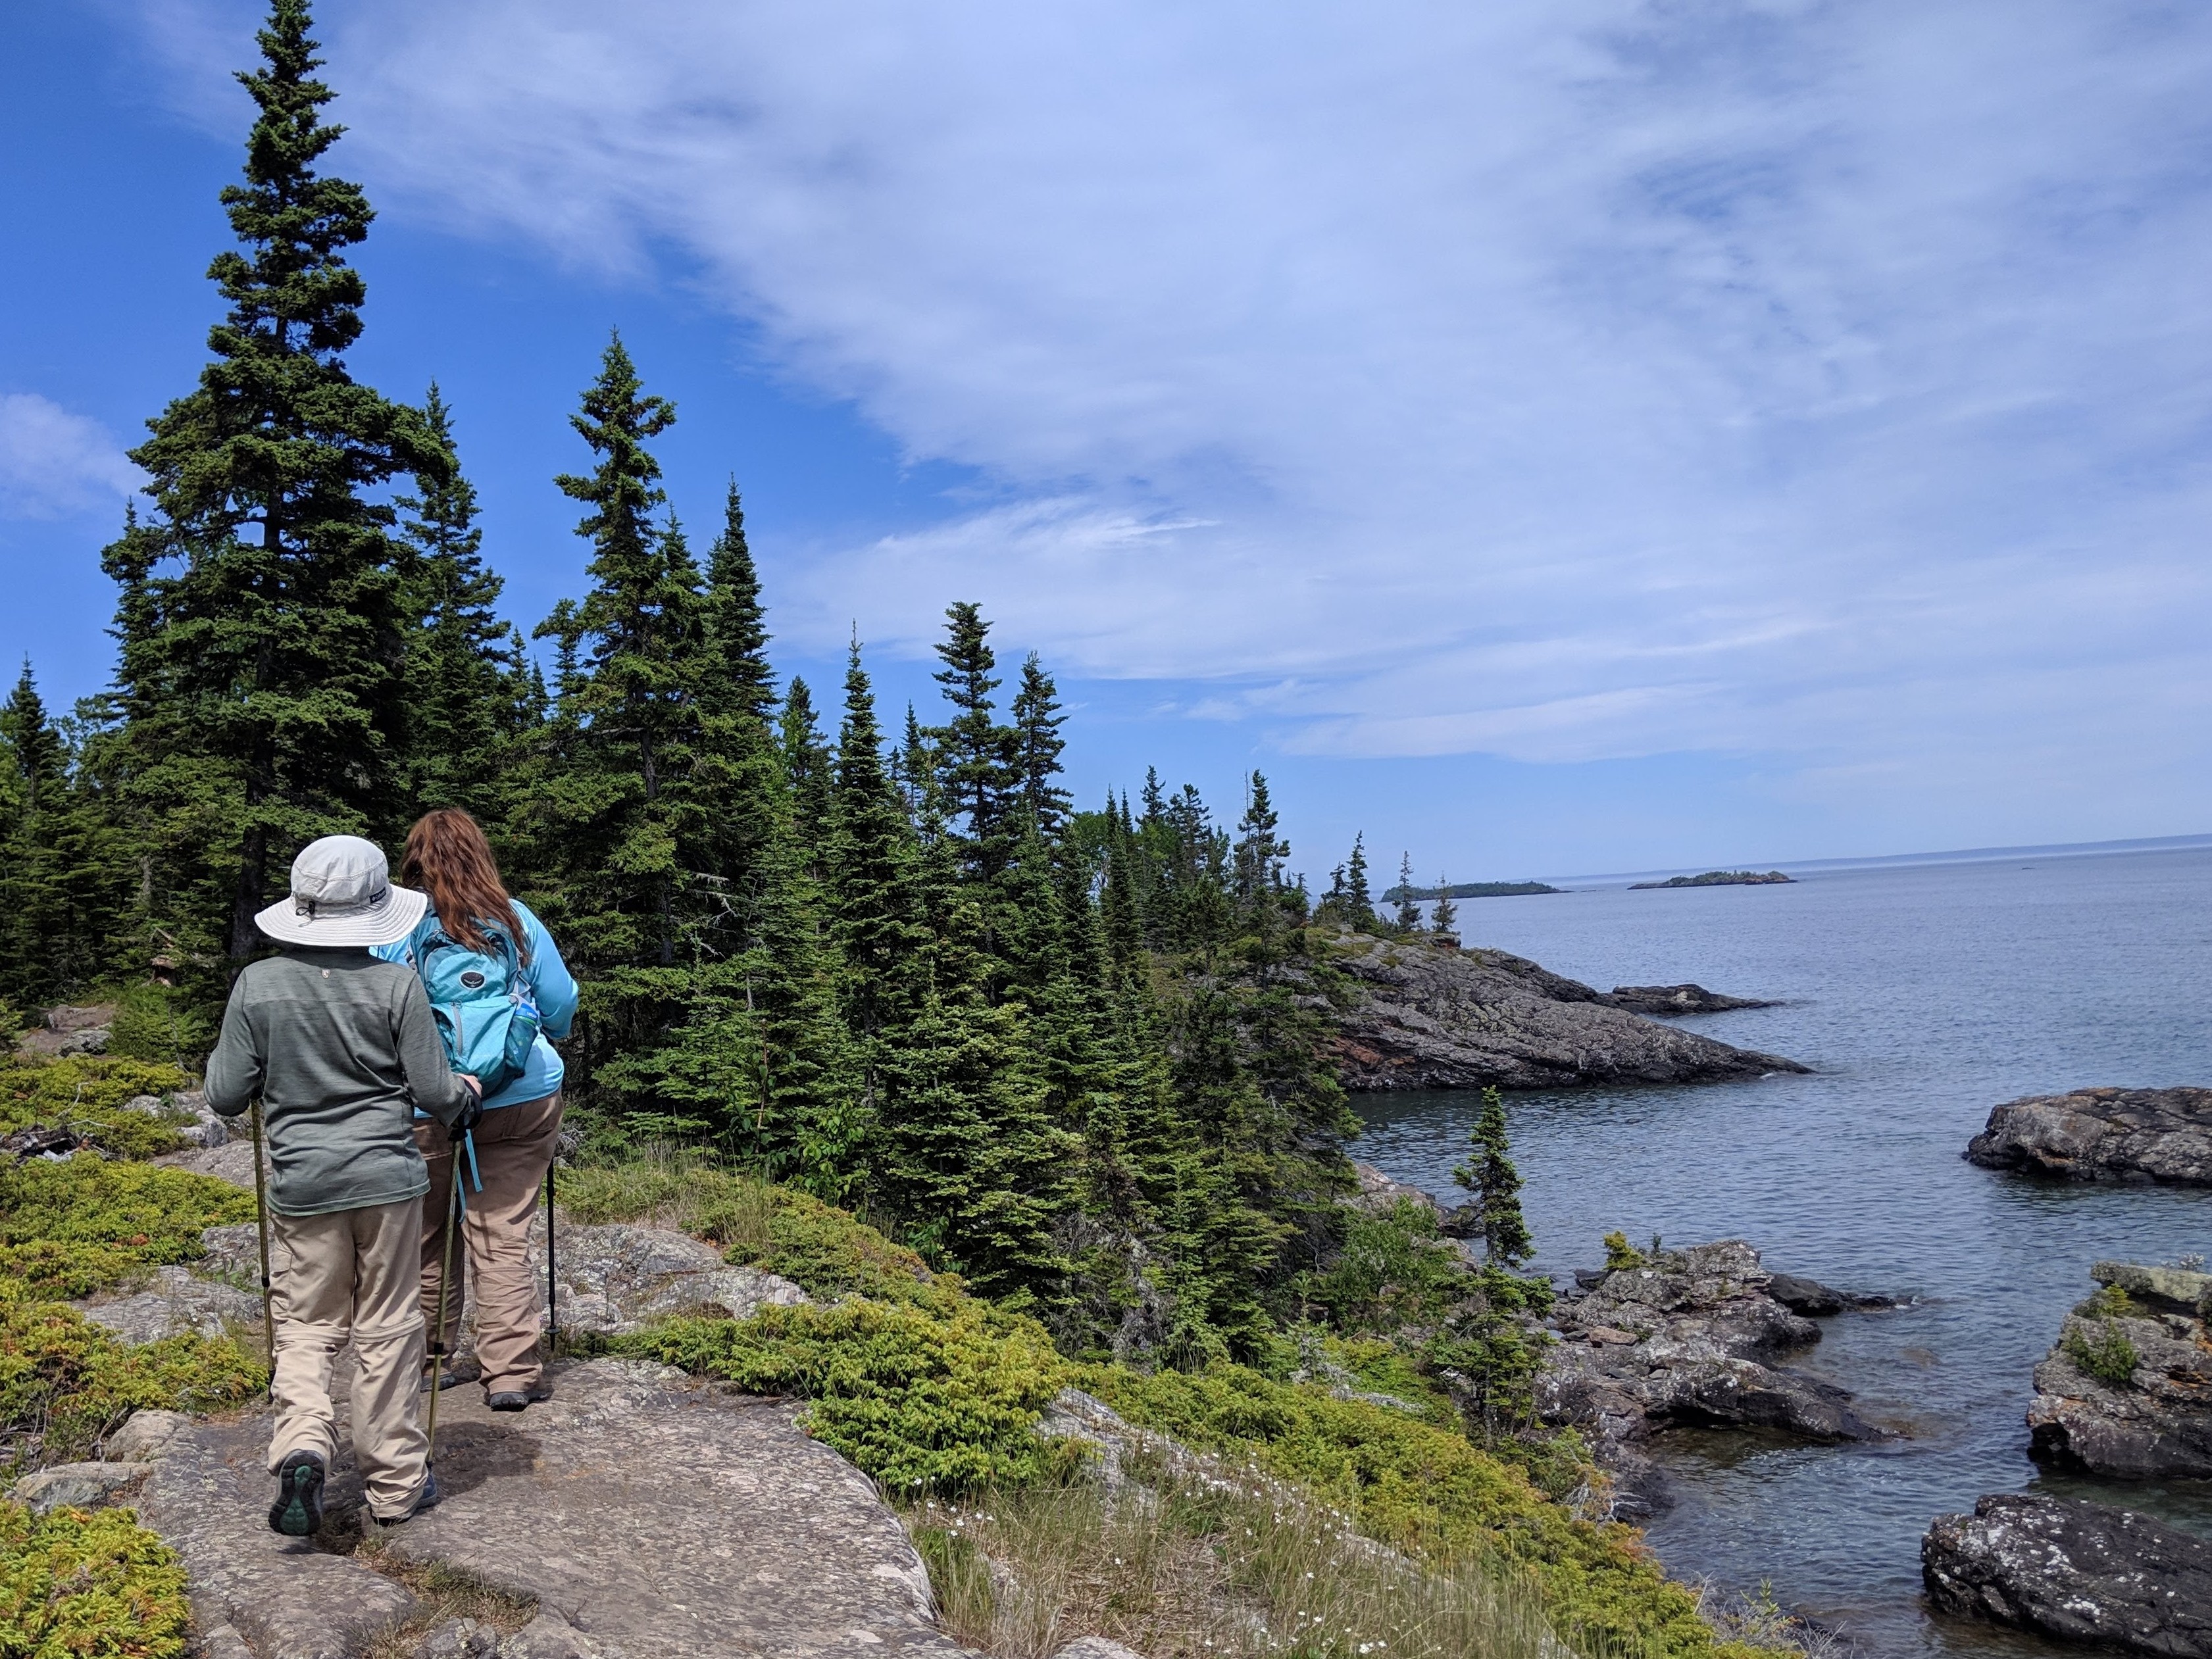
(740, 769)
(1444, 919)
(614, 796)
(807, 766)
(1038, 746)
(977, 768)
(1496, 1184)
(464, 699)
(262, 617)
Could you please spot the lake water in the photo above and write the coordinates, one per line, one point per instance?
(1922, 996)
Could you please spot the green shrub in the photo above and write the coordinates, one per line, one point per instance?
(1620, 1254)
(916, 1398)
(2109, 1303)
(1393, 1270)
(86, 1093)
(2106, 1355)
(71, 1226)
(151, 1024)
(66, 1382)
(75, 1585)
(1430, 1492)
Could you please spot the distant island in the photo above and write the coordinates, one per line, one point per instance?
(1472, 889)
(1717, 879)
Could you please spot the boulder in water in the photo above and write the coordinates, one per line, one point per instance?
(2140, 1135)
(2078, 1571)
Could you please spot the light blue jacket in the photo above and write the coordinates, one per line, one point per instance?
(550, 982)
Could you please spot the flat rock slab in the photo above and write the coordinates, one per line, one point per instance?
(654, 1517)
(177, 1304)
(2138, 1135)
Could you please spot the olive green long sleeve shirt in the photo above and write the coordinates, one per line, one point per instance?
(341, 1048)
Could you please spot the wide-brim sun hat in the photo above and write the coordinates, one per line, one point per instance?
(342, 896)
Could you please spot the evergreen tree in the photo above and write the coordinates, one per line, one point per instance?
(1408, 919)
(1038, 746)
(262, 616)
(1259, 852)
(1357, 898)
(741, 769)
(1445, 917)
(463, 699)
(65, 864)
(976, 756)
(616, 801)
(806, 765)
(1496, 1184)
(873, 885)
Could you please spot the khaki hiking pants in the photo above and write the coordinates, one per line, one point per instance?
(350, 1274)
(514, 1146)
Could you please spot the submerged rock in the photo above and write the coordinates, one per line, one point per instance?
(2127, 1389)
(2078, 1571)
(1675, 999)
(1463, 1019)
(2103, 1134)
(1691, 1338)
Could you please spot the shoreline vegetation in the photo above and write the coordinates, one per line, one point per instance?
(1036, 1093)
(1717, 879)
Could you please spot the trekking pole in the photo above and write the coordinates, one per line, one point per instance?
(552, 1317)
(453, 1214)
(268, 1286)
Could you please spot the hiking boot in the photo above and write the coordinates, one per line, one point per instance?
(458, 1369)
(298, 1511)
(515, 1400)
(427, 1498)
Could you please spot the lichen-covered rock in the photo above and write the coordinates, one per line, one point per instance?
(146, 1435)
(205, 1128)
(2127, 1389)
(177, 1304)
(75, 1485)
(1467, 1019)
(2078, 1571)
(613, 1278)
(2139, 1135)
(1691, 1337)
(458, 1638)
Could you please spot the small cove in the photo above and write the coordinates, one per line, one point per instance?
(1922, 996)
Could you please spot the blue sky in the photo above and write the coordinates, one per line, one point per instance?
(1553, 435)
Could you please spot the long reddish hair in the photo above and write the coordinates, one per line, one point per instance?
(448, 858)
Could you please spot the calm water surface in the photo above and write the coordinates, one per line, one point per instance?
(1922, 997)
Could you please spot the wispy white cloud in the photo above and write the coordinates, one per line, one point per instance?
(1556, 378)
(53, 462)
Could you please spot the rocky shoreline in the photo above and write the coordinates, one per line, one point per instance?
(1693, 1338)
(1432, 1016)
(2126, 1391)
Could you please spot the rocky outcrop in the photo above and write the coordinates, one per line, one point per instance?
(2138, 1135)
(2078, 1571)
(645, 1515)
(1690, 1337)
(2127, 1390)
(177, 1303)
(1439, 1018)
(1817, 1301)
(1675, 999)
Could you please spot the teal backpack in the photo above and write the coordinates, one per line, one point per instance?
(485, 1009)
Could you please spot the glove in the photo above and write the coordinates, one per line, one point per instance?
(471, 1110)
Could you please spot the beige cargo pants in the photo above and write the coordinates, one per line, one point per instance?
(350, 1276)
(514, 1145)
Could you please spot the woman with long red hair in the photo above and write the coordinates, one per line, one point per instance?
(499, 989)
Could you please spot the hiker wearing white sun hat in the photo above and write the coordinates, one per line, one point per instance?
(341, 1048)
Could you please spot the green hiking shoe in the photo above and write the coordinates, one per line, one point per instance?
(298, 1511)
